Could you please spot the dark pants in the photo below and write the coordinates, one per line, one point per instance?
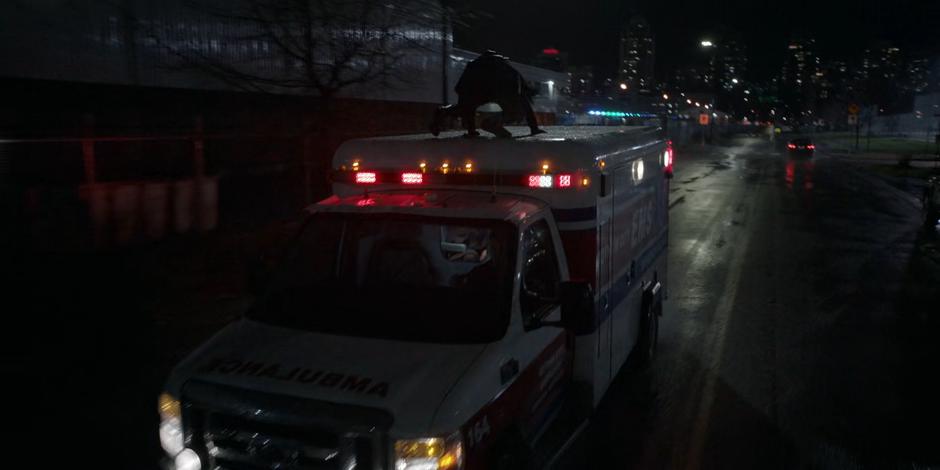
(466, 109)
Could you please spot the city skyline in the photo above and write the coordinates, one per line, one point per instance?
(842, 29)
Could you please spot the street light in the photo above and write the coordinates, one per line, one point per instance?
(734, 80)
(665, 96)
(688, 101)
(706, 43)
(623, 86)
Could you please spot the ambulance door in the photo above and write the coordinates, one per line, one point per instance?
(543, 357)
(603, 369)
(602, 366)
(623, 266)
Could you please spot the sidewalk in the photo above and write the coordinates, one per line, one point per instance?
(880, 149)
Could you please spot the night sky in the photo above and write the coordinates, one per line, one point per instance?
(588, 29)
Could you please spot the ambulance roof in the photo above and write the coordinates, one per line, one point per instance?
(574, 147)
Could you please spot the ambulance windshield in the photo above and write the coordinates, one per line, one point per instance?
(398, 277)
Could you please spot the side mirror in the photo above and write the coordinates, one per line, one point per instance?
(577, 304)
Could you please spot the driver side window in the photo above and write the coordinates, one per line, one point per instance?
(539, 273)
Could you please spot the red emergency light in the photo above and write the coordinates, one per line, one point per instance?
(668, 160)
(565, 180)
(540, 181)
(412, 178)
(366, 177)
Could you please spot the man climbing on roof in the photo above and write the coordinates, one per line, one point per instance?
(489, 79)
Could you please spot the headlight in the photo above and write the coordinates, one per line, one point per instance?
(433, 453)
(171, 424)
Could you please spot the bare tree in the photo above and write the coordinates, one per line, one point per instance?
(314, 47)
(321, 48)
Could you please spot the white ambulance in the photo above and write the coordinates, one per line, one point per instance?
(456, 304)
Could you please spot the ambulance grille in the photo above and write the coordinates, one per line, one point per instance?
(234, 429)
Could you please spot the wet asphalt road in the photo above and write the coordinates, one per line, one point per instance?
(798, 333)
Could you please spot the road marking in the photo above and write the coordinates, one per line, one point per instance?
(716, 342)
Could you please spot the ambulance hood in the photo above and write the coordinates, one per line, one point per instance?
(409, 380)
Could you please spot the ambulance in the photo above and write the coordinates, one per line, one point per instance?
(456, 303)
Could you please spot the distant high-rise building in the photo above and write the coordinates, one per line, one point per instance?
(800, 78)
(801, 65)
(918, 75)
(699, 78)
(881, 62)
(732, 64)
(834, 79)
(933, 75)
(883, 78)
(552, 59)
(637, 56)
(582, 81)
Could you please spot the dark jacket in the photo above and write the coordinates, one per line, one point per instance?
(490, 77)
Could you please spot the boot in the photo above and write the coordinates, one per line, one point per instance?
(436, 122)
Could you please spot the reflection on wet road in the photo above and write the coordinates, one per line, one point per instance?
(786, 341)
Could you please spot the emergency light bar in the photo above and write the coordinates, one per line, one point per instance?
(548, 181)
(417, 178)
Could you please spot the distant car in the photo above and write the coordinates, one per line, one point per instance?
(932, 202)
(801, 147)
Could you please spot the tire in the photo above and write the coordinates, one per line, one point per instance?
(650, 334)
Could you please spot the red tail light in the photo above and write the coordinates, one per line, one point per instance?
(811, 146)
(412, 178)
(791, 146)
(366, 177)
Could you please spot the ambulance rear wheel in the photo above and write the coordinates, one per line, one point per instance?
(650, 337)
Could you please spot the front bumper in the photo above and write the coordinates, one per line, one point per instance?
(232, 428)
